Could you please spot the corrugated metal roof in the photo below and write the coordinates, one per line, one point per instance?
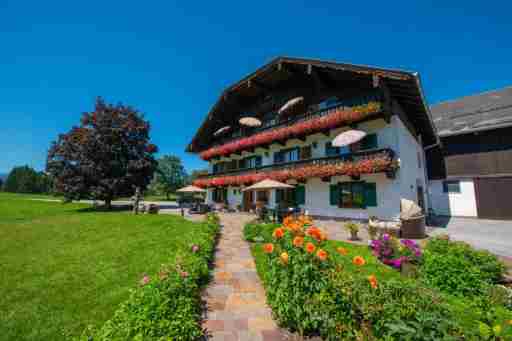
(488, 110)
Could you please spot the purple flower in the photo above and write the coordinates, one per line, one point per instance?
(385, 237)
(417, 253)
(397, 263)
(195, 248)
(387, 252)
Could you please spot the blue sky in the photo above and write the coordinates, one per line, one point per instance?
(171, 60)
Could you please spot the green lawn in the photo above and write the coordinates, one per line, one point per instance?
(63, 267)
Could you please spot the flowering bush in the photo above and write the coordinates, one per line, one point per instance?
(166, 306)
(391, 252)
(373, 164)
(336, 118)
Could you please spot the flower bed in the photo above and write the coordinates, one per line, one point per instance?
(166, 305)
(375, 164)
(332, 120)
(339, 291)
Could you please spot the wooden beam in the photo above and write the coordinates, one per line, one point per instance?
(326, 179)
(258, 85)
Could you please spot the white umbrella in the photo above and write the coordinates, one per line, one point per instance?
(348, 137)
(191, 189)
(250, 121)
(221, 130)
(267, 184)
(290, 104)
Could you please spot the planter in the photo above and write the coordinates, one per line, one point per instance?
(413, 228)
(353, 235)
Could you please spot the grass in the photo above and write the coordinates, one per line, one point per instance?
(63, 267)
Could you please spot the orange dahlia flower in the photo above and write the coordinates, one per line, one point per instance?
(278, 233)
(373, 281)
(359, 261)
(321, 254)
(287, 221)
(284, 258)
(310, 247)
(316, 233)
(268, 248)
(298, 241)
(342, 251)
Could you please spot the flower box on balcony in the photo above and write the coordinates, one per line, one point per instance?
(334, 119)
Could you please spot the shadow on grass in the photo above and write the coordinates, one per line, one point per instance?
(104, 209)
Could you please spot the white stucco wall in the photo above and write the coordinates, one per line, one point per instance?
(411, 173)
(461, 204)
(389, 191)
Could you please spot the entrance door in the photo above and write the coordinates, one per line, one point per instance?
(492, 197)
(421, 200)
(248, 201)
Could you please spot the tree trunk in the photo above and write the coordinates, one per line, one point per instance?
(108, 204)
(167, 195)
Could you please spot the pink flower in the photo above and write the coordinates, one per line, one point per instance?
(145, 280)
(195, 248)
(184, 274)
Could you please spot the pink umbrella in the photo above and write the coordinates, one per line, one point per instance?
(290, 104)
(348, 137)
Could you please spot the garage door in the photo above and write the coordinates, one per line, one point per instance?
(494, 197)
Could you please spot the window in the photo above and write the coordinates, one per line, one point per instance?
(333, 151)
(452, 186)
(251, 162)
(220, 195)
(262, 196)
(288, 155)
(305, 153)
(353, 194)
(291, 197)
(368, 142)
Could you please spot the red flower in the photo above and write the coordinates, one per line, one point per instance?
(268, 248)
(310, 247)
(337, 117)
(278, 233)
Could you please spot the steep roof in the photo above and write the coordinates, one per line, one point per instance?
(485, 111)
(404, 86)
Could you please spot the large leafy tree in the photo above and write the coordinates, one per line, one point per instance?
(25, 179)
(107, 156)
(170, 174)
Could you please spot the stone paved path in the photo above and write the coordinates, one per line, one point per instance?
(235, 298)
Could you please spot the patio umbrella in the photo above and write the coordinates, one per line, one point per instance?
(250, 121)
(348, 137)
(191, 189)
(290, 103)
(266, 185)
(221, 130)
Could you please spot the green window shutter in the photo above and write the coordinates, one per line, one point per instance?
(258, 161)
(334, 195)
(300, 195)
(370, 194)
(369, 142)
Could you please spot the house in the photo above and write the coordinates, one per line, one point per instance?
(470, 173)
(358, 181)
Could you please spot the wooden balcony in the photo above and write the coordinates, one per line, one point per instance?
(354, 164)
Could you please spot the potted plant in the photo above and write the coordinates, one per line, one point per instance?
(353, 228)
(372, 231)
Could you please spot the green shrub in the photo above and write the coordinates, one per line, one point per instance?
(336, 299)
(167, 305)
(255, 231)
(458, 269)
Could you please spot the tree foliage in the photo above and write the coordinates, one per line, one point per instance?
(107, 156)
(170, 174)
(25, 179)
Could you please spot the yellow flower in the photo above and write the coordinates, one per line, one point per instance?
(342, 251)
(284, 258)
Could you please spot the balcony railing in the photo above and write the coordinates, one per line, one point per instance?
(354, 164)
(297, 127)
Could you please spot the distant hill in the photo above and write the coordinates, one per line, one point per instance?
(3, 176)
